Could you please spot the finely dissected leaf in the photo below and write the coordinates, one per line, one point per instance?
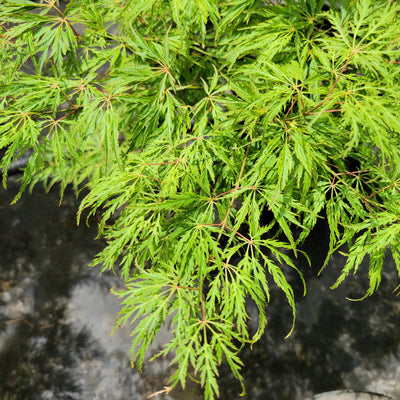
(209, 138)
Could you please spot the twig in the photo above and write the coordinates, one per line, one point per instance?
(229, 228)
(67, 98)
(67, 115)
(166, 390)
(394, 41)
(290, 108)
(238, 233)
(65, 19)
(237, 186)
(164, 163)
(233, 190)
(28, 323)
(326, 111)
(353, 172)
(333, 86)
(378, 191)
(140, 175)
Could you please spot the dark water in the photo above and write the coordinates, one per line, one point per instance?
(56, 315)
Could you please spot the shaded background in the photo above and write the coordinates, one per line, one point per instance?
(56, 316)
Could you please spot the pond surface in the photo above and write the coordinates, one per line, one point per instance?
(56, 316)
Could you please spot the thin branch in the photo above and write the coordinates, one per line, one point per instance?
(219, 224)
(5, 36)
(363, 198)
(333, 86)
(234, 190)
(150, 177)
(353, 172)
(369, 208)
(28, 323)
(19, 320)
(164, 163)
(187, 287)
(326, 111)
(67, 98)
(65, 19)
(237, 186)
(291, 107)
(378, 191)
(302, 104)
(239, 234)
(66, 115)
(393, 42)
(166, 390)
(341, 73)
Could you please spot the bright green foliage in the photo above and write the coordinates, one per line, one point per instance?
(211, 135)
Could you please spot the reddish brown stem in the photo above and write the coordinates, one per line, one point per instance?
(187, 287)
(369, 208)
(326, 111)
(19, 319)
(66, 20)
(380, 190)
(302, 104)
(290, 108)
(237, 185)
(72, 28)
(67, 115)
(238, 233)
(333, 86)
(353, 172)
(341, 73)
(233, 190)
(224, 225)
(4, 27)
(150, 177)
(165, 163)
(394, 41)
(67, 98)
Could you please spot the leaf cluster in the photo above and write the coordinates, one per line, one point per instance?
(212, 135)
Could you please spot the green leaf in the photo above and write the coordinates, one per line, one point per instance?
(209, 138)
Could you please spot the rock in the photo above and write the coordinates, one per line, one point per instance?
(57, 316)
(350, 395)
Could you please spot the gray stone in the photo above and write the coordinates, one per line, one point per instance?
(350, 395)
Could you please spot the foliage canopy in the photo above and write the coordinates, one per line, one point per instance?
(212, 135)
